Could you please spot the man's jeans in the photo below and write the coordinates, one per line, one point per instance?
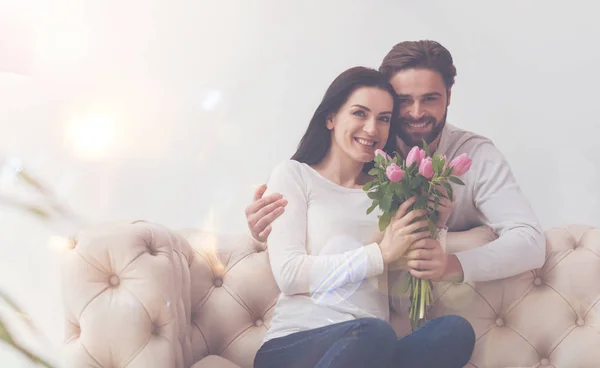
(446, 342)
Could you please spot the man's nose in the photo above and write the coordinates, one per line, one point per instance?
(416, 111)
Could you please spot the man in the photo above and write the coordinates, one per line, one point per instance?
(422, 74)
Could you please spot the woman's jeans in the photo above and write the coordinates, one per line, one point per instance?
(446, 342)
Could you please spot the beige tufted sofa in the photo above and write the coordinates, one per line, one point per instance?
(142, 296)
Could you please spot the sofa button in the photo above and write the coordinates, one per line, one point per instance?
(258, 322)
(537, 281)
(114, 280)
(580, 322)
(544, 361)
(499, 322)
(218, 282)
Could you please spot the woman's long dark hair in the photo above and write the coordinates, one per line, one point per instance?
(316, 141)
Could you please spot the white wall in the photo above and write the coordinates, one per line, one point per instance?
(174, 111)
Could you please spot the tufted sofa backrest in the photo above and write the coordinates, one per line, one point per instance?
(140, 295)
(548, 317)
(233, 295)
(126, 291)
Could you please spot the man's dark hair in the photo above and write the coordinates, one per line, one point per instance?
(423, 54)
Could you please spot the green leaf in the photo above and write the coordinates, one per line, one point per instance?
(370, 185)
(438, 164)
(373, 206)
(456, 180)
(373, 171)
(5, 334)
(448, 189)
(384, 221)
(373, 195)
(400, 190)
(434, 217)
(425, 147)
(432, 226)
(415, 183)
(395, 205)
(402, 285)
(386, 202)
(421, 202)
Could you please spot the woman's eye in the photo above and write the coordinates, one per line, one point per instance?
(359, 113)
(385, 119)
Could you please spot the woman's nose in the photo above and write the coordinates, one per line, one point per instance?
(370, 127)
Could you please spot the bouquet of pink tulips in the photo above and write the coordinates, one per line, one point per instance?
(419, 175)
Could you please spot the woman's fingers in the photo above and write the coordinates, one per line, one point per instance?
(403, 209)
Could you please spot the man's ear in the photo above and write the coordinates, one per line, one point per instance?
(448, 96)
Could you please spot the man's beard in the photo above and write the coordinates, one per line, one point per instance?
(411, 141)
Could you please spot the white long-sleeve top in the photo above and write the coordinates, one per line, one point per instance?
(322, 253)
(492, 197)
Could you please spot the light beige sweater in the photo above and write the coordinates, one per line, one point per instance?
(492, 197)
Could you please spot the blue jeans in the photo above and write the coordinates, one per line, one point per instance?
(446, 342)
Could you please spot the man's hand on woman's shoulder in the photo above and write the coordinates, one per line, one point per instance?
(261, 213)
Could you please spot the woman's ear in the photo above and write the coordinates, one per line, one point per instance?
(329, 122)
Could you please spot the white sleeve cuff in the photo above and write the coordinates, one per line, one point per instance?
(442, 236)
(375, 266)
(464, 264)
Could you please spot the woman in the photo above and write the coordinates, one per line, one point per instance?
(333, 308)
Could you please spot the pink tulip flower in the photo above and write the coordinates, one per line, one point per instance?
(426, 168)
(460, 165)
(415, 155)
(394, 173)
(382, 154)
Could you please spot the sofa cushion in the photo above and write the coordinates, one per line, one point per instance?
(215, 361)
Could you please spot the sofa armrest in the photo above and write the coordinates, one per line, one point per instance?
(126, 290)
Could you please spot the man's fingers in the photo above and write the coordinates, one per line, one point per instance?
(267, 219)
(425, 243)
(442, 191)
(273, 206)
(259, 204)
(425, 275)
(444, 202)
(259, 192)
(419, 254)
(265, 233)
(421, 265)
